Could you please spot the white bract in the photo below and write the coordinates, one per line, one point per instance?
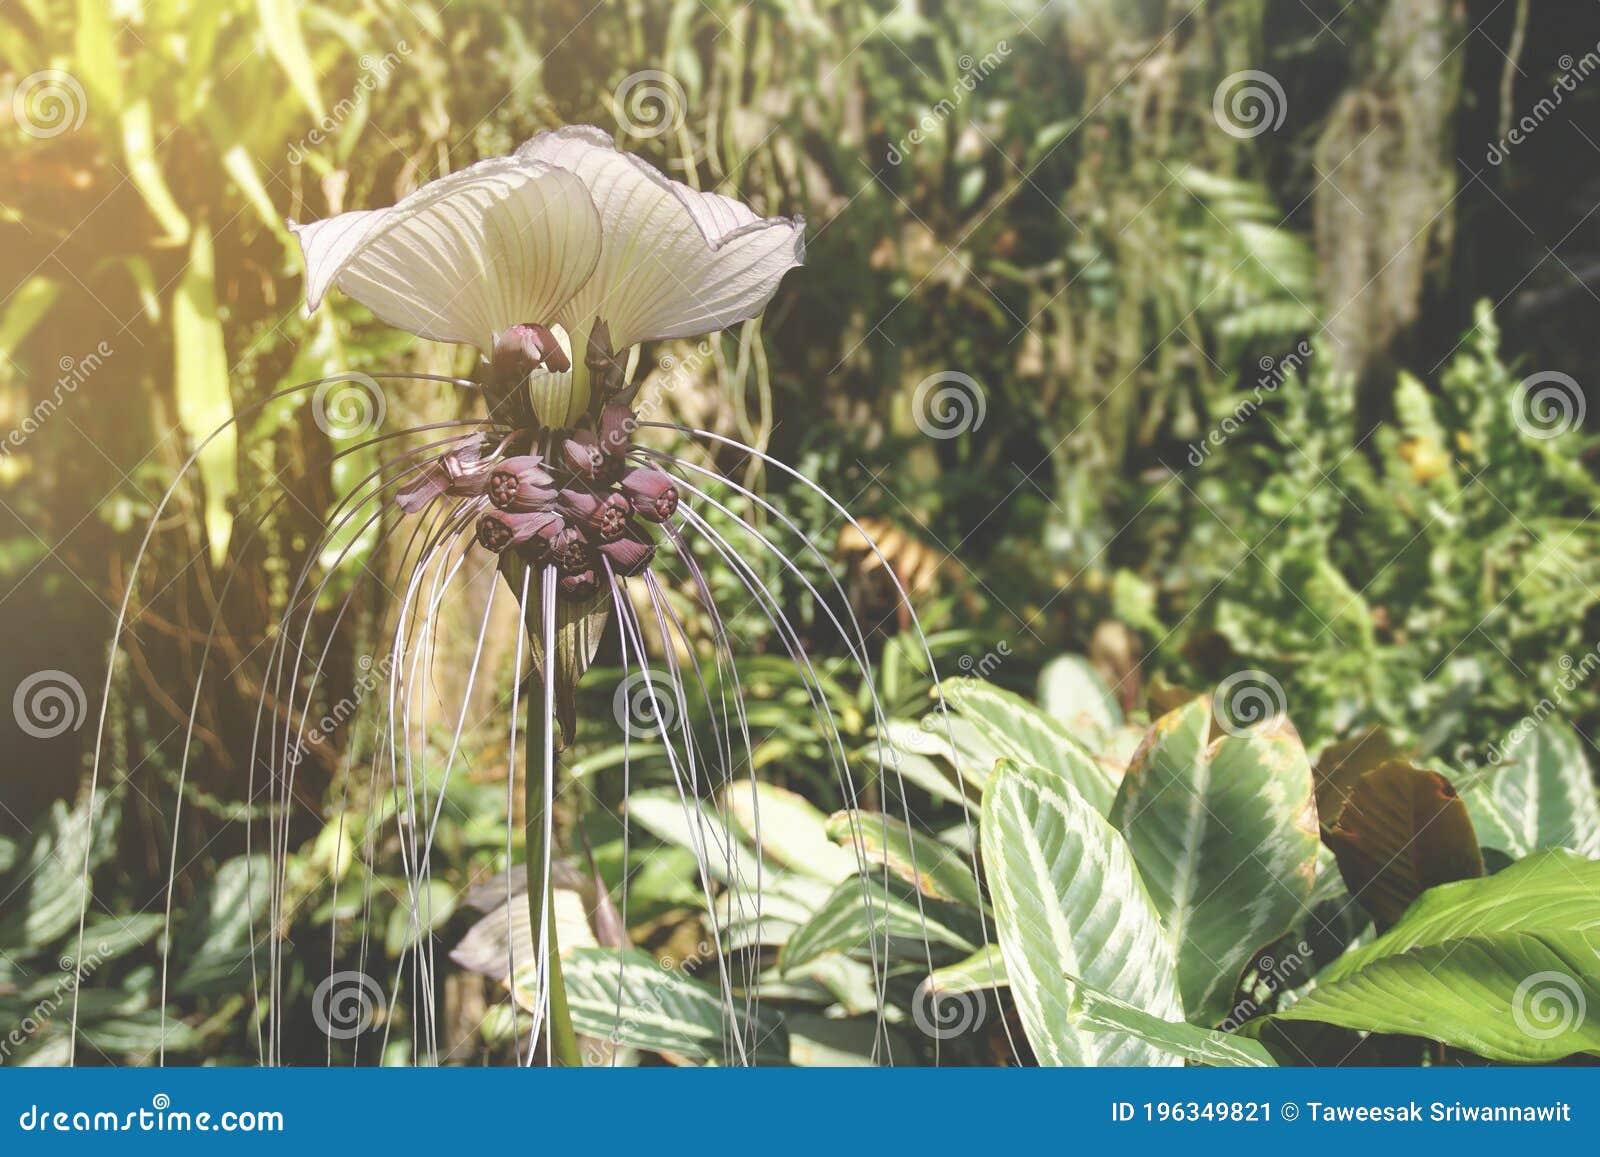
(564, 233)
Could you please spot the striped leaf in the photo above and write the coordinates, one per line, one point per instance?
(1068, 900)
(1225, 836)
(1072, 692)
(935, 869)
(861, 918)
(1542, 796)
(788, 829)
(985, 968)
(664, 1011)
(1099, 1011)
(1026, 734)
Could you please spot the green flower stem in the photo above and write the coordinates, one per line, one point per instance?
(563, 1041)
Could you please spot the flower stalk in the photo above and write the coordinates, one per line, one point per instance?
(558, 1027)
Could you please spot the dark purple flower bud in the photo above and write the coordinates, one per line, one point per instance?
(522, 484)
(651, 492)
(521, 349)
(570, 551)
(582, 585)
(628, 555)
(463, 473)
(499, 530)
(617, 424)
(580, 449)
(603, 515)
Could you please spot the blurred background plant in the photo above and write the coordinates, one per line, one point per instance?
(1197, 339)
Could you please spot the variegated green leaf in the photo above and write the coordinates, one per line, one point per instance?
(934, 868)
(985, 968)
(861, 918)
(1072, 693)
(1099, 1011)
(788, 830)
(1029, 736)
(1541, 795)
(1068, 900)
(1225, 836)
(663, 1010)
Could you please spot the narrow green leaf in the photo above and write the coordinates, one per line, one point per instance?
(144, 170)
(933, 868)
(985, 968)
(280, 23)
(1099, 1011)
(204, 400)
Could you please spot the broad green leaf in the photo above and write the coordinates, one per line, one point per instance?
(280, 24)
(788, 830)
(1508, 996)
(959, 742)
(44, 902)
(1099, 1011)
(1072, 692)
(1068, 899)
(935, 869)
(823, 1042)
(664, 1010)
(1029, 736)
(1549, 891)
(1225, 836)
(1402, 831)
(862, 918)
(1541, 796)
(214, 946)
(139, 147)
(204, 400)
(985, 968)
